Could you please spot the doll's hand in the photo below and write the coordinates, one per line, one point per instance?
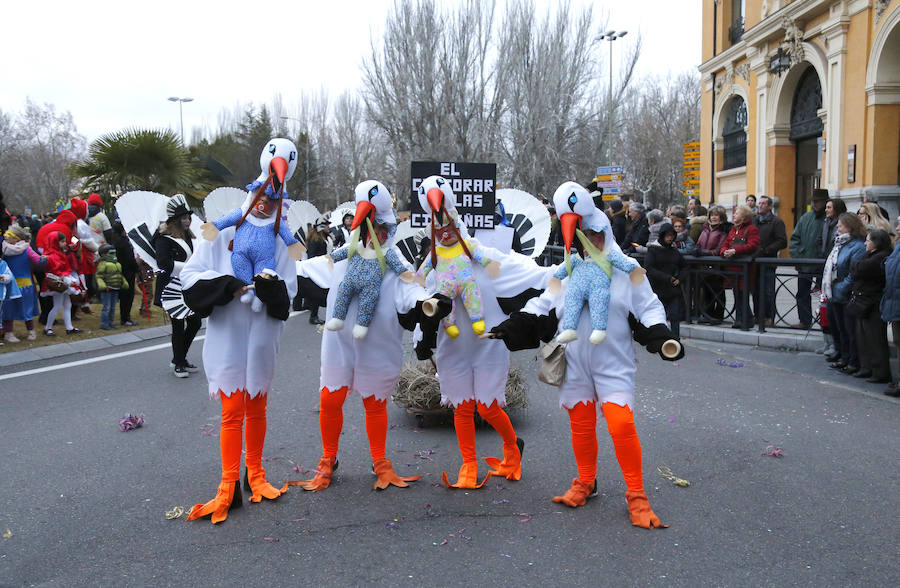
(493, 268)
(554, 285)
(410, 278)
(637, 275)
(296, 250)
(209, 231)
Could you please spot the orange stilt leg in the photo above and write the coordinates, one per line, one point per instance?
(331, 421)
(255, 435)
(511, 466)
(620, 421)
(464, 423)
(583, 423)
(228, 495)
(376, 429)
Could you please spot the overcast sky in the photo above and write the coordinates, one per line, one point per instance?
(113, 64)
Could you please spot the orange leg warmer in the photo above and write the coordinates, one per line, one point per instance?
(376, 425)
(620, 421)
(583, 422)
(511, 466)
(331, 419)
(255, 434)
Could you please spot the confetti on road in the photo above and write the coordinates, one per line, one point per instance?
(7, 534)
(726, 363)
(665, 472)
(174, 513)
(209, 430)
(772, 451)
(527, 516)
(272, 539)
(130, 422)
(503, 501)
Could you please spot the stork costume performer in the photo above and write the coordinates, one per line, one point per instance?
(364, 274)
(253, 245)
(473, 371)
(598, 373)
(370, 366)
(241, 345)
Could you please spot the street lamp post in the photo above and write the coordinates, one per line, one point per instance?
(180, 101)
(610, 36)
(306, 169)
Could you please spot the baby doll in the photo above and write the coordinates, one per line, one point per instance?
(253, 247)
(452, 256)
(366, 267)
(590, 276)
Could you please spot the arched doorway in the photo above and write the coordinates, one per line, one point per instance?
(806, 129)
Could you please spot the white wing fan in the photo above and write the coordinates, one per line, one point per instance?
(529, 218)
(141, 213)
(301, 216)
(221, 201)
(407, 240)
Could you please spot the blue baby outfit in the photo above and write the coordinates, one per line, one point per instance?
(363, 277)
(254, 245)
(590, 282)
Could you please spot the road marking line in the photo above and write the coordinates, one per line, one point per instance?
(61, 366)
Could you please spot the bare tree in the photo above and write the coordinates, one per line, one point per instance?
(35, 149)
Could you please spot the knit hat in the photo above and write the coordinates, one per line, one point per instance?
(106, 248)
(176, 206)
(95, 199)
(17, 232)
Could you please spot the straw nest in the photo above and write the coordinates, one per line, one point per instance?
(419, 390)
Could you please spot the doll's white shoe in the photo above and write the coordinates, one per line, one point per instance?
(567, 336)
(334, 324)
(597, 336)
(359, 331)
(247, 296)
(256, 305)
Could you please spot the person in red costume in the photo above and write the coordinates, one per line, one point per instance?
(59, 271)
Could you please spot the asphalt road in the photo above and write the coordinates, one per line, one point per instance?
(82, 503)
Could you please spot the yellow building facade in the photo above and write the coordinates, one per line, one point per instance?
(799, 95)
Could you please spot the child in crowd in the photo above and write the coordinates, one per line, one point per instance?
(60, 282)
(683, 242)
(664, 264)
(20, 258)
(109, 281)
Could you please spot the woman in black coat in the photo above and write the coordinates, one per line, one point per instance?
(616, 213)
(125, 255)
(867, 288)
(664, 264)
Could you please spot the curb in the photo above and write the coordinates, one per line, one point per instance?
(94, 344)
(773, 338)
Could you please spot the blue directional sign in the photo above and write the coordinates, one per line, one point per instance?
(609, 169)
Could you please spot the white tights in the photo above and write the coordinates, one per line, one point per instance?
(61, 301)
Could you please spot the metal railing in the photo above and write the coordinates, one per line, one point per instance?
(708, 285)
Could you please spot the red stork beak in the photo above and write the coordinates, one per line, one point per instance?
(568, 222)
(278, 168)
(363, 209)
(435, 199)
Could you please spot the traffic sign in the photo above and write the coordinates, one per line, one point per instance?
(609, 169)
(606, 185)
(690, 183)
(691, 192)
(611, 191)
(692, 155)
(609, 177)
(690, 173)
(691, 145)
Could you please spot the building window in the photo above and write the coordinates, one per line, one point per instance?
(734, 135)
(736, 30)
(805, 121)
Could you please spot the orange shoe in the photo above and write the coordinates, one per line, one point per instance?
(255, 481)
(577, 494)
(468, 477)
(324, 469)
(511, 466)
(384, 469)
(227, 497)
(639, 508)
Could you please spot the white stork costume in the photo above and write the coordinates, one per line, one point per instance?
(369, 366)
(473, 370)
(241, 346)
(605, 372)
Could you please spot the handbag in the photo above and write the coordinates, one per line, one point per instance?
(55, 284)
(859, 305)
(553, 366)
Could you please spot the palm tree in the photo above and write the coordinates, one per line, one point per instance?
(141, 159)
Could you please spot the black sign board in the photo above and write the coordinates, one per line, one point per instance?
(474, 185)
